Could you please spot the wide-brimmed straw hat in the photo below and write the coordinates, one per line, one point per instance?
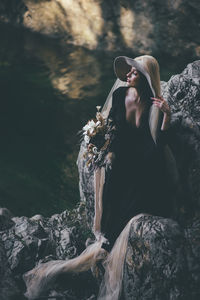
(123, 65)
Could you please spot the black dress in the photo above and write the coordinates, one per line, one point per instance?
(137, 182)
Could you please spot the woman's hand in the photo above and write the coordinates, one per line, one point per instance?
(162, 104)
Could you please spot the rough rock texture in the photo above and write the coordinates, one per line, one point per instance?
(140, 26)
(162, 259)
(183, 95)
(38, 239)
(8, 286)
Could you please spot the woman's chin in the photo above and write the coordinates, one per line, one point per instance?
(130, 85)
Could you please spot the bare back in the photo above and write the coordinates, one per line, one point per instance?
(133, 106)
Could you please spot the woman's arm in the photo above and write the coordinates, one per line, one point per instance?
(165, 132)
(166, 121)
(162, 104)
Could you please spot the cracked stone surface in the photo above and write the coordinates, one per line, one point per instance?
(158, 262)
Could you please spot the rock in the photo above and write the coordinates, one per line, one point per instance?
(38, 239)
(192, 250)
(139, 26)
(86, 186)
(8, 285)
(5, 219)
(156, 264)
(37, 218)
(183, 95)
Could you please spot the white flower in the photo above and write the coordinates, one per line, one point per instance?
(98, 123)
(91, 130)
(92, 123)
(87, 139)
(98, 107)
(86, 127)
(89, 127)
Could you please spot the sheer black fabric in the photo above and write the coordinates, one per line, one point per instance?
(137, 182)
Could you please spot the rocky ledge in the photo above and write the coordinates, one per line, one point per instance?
(162, 259)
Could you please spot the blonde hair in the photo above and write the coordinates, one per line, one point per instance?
(151, 65)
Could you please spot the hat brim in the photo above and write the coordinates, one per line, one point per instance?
(123, 65)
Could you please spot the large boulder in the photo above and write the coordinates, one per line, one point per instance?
(162, 260)
(139, 26)
(182, 92)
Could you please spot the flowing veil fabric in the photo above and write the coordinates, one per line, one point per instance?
(108, 103)
(42, 277)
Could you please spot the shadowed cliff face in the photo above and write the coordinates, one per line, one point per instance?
(166, 27)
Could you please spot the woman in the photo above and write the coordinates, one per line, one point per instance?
(141, 174)
(137, 182)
